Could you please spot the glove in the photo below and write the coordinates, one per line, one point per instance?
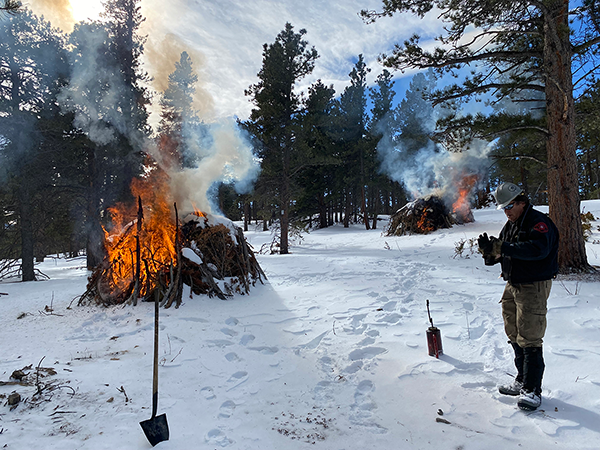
(490, 260)
(496, 247)
(485, 245)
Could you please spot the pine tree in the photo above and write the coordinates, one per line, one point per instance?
(273, 122)
(177, 114)
(316, 139)
(32, 67)
(11, 7)
(382, 129)
(353, 124)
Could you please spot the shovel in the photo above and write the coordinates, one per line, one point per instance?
(155, 428)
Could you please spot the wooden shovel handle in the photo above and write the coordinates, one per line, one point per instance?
(155, 370)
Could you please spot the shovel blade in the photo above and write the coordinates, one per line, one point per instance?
(156, 429)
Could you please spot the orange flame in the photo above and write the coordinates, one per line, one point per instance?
(157, 233)
(197, 212)
(461, 207)
(424, 223)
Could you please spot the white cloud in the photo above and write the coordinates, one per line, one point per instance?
(228, 35)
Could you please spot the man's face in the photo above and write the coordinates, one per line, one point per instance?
(514, 210)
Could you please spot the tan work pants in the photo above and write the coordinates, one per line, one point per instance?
(524, 308)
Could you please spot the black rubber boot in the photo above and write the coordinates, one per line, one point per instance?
(514, 388)
(533, 371)
(519, 360)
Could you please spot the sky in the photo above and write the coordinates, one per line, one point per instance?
(225, 40)
(329, 354)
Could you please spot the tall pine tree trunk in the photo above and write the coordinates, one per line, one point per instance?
(563, 188)
(284, 220)
(322, 211)
(363, 189)
(95, 249)
(27, 239)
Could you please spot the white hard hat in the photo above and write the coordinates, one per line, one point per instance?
(506, 193)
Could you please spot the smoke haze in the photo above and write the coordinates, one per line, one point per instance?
(433, 170)
(226, 156)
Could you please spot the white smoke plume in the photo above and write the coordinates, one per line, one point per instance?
(96, 89)
(220, 150)
(225, 156)
(435, 171)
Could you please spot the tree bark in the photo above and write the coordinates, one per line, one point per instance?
(95, 235)
(284, 219)
(563, 189)
(322, 211)
(27, 239)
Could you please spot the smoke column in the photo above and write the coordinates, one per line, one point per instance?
(433, 170)
(226, 156)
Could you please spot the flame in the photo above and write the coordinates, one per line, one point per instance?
(197, 212)
(157, 235)
(424, 223)
(462, 207)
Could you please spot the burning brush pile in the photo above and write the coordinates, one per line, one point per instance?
(427, 214)
(151, 252)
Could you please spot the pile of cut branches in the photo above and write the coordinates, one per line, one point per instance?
(422, 216)
(211, 256)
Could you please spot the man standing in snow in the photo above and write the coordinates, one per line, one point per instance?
(527, 249)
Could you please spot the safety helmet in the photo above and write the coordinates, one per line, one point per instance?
(506, 193)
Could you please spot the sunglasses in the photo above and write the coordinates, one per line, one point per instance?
(508, 207)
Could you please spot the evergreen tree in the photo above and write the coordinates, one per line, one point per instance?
(178, 117)
(408, 139)
(11, 6)
(127, 46)
(273, 122)
(353, 124)
(108, 97)
(533, 42)
(316, 139)
(93, 94)
(32, 68)
(381, 132)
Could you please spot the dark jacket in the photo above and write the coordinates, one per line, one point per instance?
(530, 248)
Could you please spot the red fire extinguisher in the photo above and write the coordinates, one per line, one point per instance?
(434, 338)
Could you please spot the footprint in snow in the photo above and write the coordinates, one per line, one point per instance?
(390, 318)
(247, 338)
(229, 332)
(237, 379)
(363, 407)
(226, 409)
(389, 306)
(232, 357)
(265, 350)
(216, 436)
(232, 321)
(354, 367)
(366, 353)
(238, 376)
(366, 341)
(208, 392)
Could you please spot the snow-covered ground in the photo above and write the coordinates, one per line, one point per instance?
(331, 353)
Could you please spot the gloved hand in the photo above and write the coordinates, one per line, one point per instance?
(485, 245)
(496, 247)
